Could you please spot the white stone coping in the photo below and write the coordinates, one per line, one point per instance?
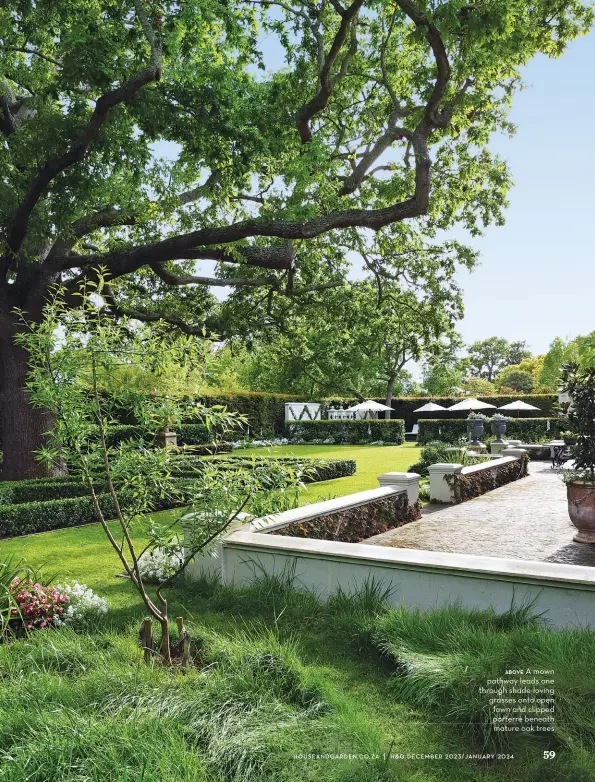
(533, 571)
(493, 464)
(324, 508)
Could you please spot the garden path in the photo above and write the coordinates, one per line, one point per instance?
(527, 519)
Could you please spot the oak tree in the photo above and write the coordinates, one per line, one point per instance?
(374, 118)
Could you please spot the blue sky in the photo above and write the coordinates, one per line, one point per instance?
(537, 274)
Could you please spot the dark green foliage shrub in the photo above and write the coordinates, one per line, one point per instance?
(188, 434)
(356, 524)
(38, 490)
(30, 517)
(434, 452)
(315, 469)
(347, 432)
(530, 430)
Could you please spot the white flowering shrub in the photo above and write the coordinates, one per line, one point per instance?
(260, 443)
(83, 605)
(160, 563)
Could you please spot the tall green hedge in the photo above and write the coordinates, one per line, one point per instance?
(347, 432)
(404, 406)
(265, 412)
(529, 430)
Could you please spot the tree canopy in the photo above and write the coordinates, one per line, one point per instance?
(486, 358)
(144, 138)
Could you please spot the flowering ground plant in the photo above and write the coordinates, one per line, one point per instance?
(83, 606)
(161, 562)
(36, 605)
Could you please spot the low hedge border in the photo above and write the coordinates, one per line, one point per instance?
(321, 469)
(466, 487)
(532, 430)
(356, 524)
(347, 432)
(73, 507)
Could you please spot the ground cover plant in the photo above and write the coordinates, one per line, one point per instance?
(291, 678)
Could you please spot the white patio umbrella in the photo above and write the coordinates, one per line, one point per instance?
(518, 406)
(471, 404)
(369, 406)
(430, 407)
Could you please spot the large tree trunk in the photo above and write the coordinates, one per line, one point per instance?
(23, 426)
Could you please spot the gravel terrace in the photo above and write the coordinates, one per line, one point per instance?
(527, 519)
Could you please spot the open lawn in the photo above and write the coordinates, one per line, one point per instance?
(372, 461)
(280, 677)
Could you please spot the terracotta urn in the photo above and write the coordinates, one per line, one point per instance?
(581, 509)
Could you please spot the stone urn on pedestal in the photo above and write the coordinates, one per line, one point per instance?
(499, 428)
(475, 430)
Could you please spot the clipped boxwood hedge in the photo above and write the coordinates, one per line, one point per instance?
(530, 430)
(40, 490)
(347, 432)
(321, 469)
(188, 434)
(40, 505)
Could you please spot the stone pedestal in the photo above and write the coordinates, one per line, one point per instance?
(440, 489)
(478, 447)
(402, 480)
(497, 448)
(166, 439)
(514, 452)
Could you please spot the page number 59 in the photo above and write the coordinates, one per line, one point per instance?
(549, 755)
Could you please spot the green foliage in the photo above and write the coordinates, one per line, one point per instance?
(444, 657)
(513, 377)
(29, 517)
(490, 356)
(54, 503)
(347, 432)
(478, 386)
(579, 383)
(357, 340)
(529, 430)
(559, 353)
(39, 490)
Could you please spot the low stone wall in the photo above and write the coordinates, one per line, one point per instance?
(563, 594)
(355, 524)
(453, 483)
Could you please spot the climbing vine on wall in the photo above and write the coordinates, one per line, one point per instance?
(466, 487)
(356, 524)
